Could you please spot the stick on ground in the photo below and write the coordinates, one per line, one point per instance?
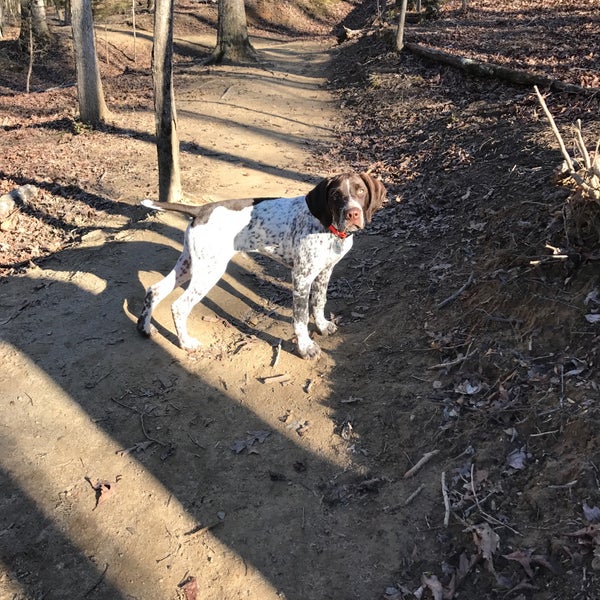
(423, 461)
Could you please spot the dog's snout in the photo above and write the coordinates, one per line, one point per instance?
(354, 216)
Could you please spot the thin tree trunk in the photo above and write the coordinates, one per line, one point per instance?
(400, 30)
(134, 32)
(92, 107)
(30, 66)
(167, 143)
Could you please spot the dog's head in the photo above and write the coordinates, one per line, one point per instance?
(346, 201)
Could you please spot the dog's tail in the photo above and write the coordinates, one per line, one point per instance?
(186, 209)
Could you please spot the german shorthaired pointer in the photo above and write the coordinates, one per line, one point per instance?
(308, 234)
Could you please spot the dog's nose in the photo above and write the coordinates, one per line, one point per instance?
(354, 216)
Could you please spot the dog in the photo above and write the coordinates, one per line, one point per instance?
(309, 234)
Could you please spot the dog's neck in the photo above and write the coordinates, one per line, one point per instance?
(341, 234)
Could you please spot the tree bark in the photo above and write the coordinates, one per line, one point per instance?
(482, 69)
(400, 30)
(33, 14)
(167, 143)
(92, 107)
(233, 43)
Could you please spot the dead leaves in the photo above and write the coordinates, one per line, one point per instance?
(189, 588)
(589, 536)
(104, 489)
(253, 438)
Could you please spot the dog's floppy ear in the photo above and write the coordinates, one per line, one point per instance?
(376, 195)
(317, 203)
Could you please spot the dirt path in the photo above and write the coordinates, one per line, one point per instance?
(202, 468)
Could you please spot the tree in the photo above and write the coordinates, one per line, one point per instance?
(400, 28)
(92, 107)
(167, 144)
(233, 43)
(33, 16)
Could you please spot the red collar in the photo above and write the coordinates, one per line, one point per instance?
(341, 234)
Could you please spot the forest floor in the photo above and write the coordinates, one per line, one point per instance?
(129, 469)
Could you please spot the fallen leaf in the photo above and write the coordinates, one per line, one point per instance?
(253, 438)
(591, 513)
(103, 489)
(486, 540)
(138, 447)
(523, 558)
(466, 387)
(517, 459)
(433, 583)
(190, 588)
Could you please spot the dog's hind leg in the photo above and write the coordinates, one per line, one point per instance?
(200, 285)
(180, 274)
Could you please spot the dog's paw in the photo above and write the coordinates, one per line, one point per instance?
(326, 327)
(145, 329)
(191, 345)
(309, 349)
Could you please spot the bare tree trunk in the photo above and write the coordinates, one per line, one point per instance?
(400, 30)
(167, 143)
(30, 65)
(92, 107)
(134, 32)
(233, 43)
(33, 14)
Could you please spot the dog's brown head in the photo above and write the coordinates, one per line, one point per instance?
(346, 201)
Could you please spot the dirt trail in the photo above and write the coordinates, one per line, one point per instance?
(201, 468)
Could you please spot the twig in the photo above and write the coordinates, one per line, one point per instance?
(485, 515)
(564, 486)
(97, 582)
(196, 443)
(554, 129)
(149, 437)
(200, 530)
(283, 378)
(423, 461)
(581, 146)
(16, 314)
(452, 363)
(446, 500)
(135, 410)
(414, 494)
(456, 294)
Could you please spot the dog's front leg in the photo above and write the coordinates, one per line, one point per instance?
(306, 347)
(318, 297)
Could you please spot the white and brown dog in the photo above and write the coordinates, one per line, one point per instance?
(309, 234)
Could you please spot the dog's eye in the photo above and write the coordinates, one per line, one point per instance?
(361, 190)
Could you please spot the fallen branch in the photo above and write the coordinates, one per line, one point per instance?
(452, 363)
(483, 69)
(456, 294)
(446, 500)
(423, 461)
(414, 494)
(283, 378)
(588, 179)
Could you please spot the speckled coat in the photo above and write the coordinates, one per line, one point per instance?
(309, 234)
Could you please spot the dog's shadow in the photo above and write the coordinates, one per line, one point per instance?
(253, 297)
